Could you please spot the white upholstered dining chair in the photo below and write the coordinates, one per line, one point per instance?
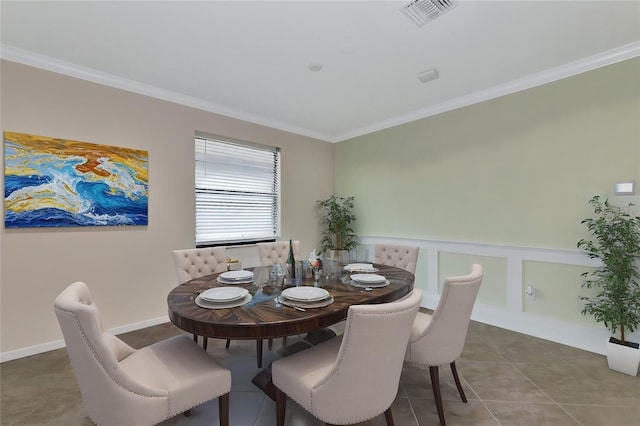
(196, 263)
(438, 339)
(277, 252)
(123, 386)
(405, 257)
(355, 377)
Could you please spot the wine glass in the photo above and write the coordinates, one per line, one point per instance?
(281, 272)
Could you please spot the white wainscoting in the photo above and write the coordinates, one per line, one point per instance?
(512, 317)
(592, 339)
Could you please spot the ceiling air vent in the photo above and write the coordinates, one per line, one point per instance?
(423, 11)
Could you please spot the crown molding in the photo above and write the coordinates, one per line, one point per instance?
(590, 63)
(47, 63)
(580, 66)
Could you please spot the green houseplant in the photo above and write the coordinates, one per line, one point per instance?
(616, 243)
(337, 220)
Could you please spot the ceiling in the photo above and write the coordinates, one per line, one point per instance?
(250, 60)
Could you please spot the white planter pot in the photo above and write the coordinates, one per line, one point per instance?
(623, 358)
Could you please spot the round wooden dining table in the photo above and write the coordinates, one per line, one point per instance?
(263, 318)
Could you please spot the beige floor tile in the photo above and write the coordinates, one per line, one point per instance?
(501, 382)
(416, 381)
(592, 415)
(518, 378)
(528, 414)
(480, 351)
(456, 413)
(566, 384)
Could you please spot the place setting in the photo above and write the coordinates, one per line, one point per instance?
(223, 297)
(305, 297)
(235, 277)
(369, 281)
(360, 267)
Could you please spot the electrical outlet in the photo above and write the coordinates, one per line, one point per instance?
(531, 292)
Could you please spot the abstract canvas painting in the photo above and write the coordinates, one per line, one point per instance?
(53, 182)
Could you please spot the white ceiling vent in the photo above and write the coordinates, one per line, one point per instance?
(423, 11)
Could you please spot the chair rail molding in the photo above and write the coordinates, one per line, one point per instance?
(513, 317)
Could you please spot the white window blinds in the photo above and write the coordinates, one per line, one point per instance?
(237, 191)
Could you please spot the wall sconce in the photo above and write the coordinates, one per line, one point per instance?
(624, 188)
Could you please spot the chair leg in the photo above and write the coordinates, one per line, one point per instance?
(435, 384)
(270, 345)
(281, 407)
(389, 417)
(454, 371)
(284, 341)
(228, 343)
(195, 338)
(259, 352)
(205, 342)
(223, 409)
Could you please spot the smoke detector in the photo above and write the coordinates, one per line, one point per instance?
(423, 11)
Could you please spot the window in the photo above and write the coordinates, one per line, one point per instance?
(237, 188)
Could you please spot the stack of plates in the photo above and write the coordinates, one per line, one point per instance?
(360, 267)
(369, 280)
(305, 297)
(235, 277)
(223, 297)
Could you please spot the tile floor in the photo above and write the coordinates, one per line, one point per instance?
(509, 379)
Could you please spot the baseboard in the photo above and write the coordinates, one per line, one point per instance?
(57, 344)
(581, 337)
(563, 332)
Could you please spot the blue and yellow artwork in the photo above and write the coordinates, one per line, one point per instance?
(51, 182)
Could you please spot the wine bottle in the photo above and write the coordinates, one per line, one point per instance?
(291, 261)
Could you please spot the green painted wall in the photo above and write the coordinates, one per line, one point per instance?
(514, 170)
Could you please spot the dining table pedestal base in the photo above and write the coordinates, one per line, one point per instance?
(263, 381)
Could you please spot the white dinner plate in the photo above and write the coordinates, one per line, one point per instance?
(370, 285)
(224, 294)
(222, 305)
(360, 267)
(305, 305)
(224, 281)
(305, 294)
(236, 275)
(368, 278)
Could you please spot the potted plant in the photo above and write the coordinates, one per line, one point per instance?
(616, 243)
(337, 221)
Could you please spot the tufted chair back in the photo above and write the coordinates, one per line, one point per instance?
(124, 386)
(198, 262)
(405, 257)
(353, 378)
(439, 339)
(277, 252)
